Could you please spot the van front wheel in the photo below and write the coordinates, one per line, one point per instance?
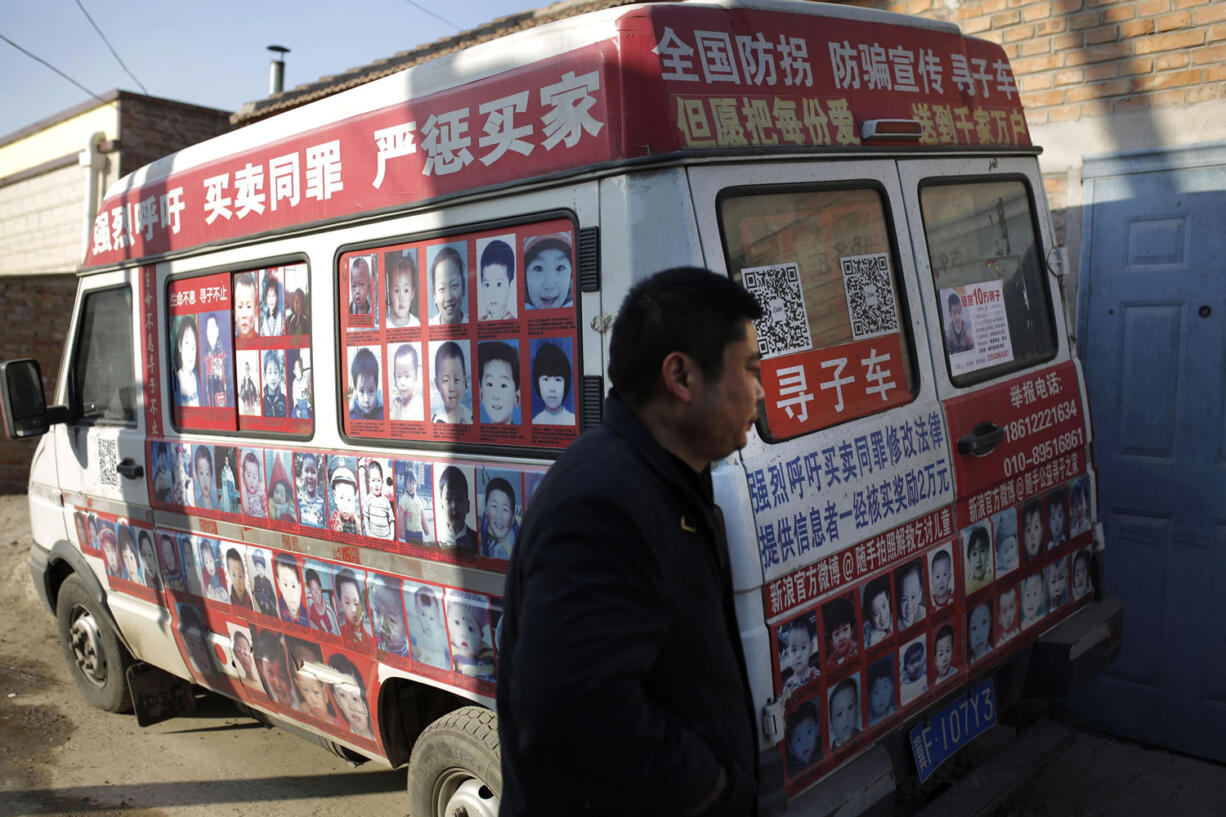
(96, 659)
(455, 769)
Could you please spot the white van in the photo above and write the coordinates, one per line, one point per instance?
(318, 365)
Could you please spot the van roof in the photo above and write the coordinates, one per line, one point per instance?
(617, 84)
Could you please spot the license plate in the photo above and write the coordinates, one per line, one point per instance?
(935, 741)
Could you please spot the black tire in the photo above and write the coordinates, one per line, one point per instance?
(96, 660)
(455, 769)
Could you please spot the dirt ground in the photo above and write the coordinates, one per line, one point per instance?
(59, 756)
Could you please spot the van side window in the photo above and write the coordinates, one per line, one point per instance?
(104, 384)
(464, 338)
(239, 352)
(833, 337)
(986, 268)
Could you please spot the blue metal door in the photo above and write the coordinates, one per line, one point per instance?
(1152, 318)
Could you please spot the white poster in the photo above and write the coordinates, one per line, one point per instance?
(976, 327)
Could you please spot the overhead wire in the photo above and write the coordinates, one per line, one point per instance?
(114, 53)
(420, 7)
(52, 67)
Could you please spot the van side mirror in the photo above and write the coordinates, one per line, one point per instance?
(25, 410)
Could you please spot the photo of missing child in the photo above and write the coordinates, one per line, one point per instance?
(205, 486)
(798, 652)
(401, 304)
(453, 510)
(297, 300)
(363, 283)
(1006, 616)
(350, 697)
(1082, 583)
(1057, 518)
(194, 634)
(472, 639)
(944, 663)
(273, 403)
(1079, 506)
(1032, 530)
(185, 341)
(216, 360)
(272, 304)
(1004, 534)
(844, 708)
(979, 641)
(364, 396)
(548, 271)
(958, 335)
(248, 382)
(272, 667)
(450, 399)
(912, 670)
(448, 283)
(233, 558)
(343, 495)
(498, 500)
(254, 498)
(878, 611)
(977, 547)
(1034, 599)
(262, 591)
(353, 617)
(312, 508)
(306, 664)
(427, 627)
(226, 466)
(246, 306)
(909, 586)
(839, 620)
(881, 703)
(320, 598)
(941, 577)
(287, 570)
(803, 745)
(281, 504)
(497, 294)
(498, 382)
(244, 656)
(375, 485)
(414, 502)
(1057, 583)
(212, 577)
(404, 363)
(302, 401)
(387, 611)
(553, 400)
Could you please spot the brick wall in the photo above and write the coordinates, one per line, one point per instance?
(1084, 59)
(151, 128)
(41, 222)
(37, 311)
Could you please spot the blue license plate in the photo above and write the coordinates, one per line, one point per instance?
(934, 741)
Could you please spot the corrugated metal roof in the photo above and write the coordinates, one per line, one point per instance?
(326, 86)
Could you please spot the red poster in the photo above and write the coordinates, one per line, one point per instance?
(811, 390)
(199, 353)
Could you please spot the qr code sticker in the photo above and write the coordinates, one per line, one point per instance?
(108, 459)
(784, 325)
(870, 296)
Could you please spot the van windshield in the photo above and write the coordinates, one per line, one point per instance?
(987, 270)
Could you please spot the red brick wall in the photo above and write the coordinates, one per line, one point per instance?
(151, 128)
(1077, 59)
(37, 312)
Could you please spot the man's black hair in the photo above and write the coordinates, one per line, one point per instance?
(684, 309)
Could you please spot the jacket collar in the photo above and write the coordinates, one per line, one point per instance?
(622, 420)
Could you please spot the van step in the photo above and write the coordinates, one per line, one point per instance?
(991, 782)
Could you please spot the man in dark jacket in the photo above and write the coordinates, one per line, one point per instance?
(622, 684)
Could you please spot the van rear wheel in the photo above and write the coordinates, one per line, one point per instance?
(455, 769)
(96, 660)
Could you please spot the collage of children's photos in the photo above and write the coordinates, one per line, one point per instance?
(850, 664)
(240, 350)
(470, 338)
(459, 513)
(304, 634)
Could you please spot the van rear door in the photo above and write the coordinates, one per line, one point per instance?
(1012, 394)
(845, 494)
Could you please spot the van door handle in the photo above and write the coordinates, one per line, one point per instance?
(981, 439)
(130, 468)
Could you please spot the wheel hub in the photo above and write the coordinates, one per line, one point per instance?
(87, 648)
(462, 795)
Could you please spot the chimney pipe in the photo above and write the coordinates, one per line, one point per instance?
(276, 69)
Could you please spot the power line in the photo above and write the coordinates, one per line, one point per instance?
(112, 49)
(420, 7)
(52, 67)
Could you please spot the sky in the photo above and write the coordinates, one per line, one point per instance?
(206, 52)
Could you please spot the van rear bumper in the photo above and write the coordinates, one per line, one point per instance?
(1076, 649)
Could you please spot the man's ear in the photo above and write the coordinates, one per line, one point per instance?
(678, 371)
